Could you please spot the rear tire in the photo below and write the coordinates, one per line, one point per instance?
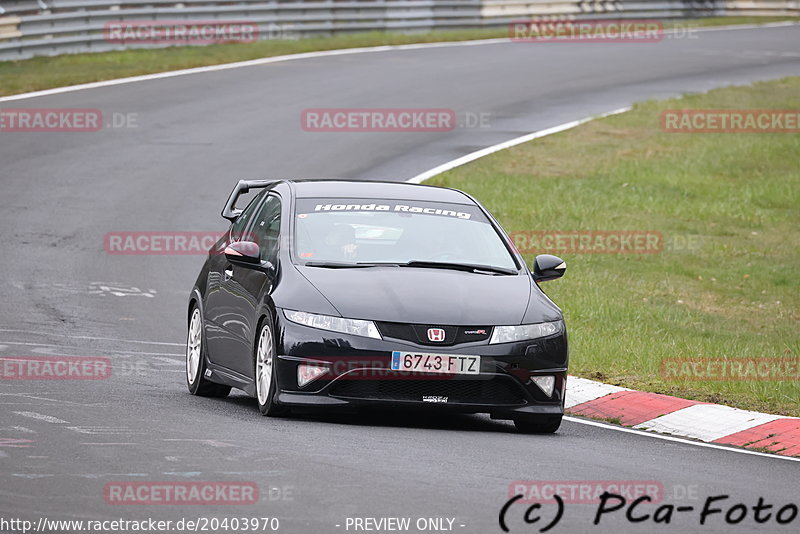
(544, 424)
(264, 371)
(196, 360)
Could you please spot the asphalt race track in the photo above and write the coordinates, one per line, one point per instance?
(61, 442)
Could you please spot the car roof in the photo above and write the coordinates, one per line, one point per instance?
(321, 188)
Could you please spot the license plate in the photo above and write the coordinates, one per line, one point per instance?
(436, 363)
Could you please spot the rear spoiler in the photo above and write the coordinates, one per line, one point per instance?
(230, 211)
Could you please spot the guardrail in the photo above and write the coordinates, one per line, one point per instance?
(51, 27)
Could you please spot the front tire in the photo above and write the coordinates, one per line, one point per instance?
(196, 360)
(547, 424)
(264, 371)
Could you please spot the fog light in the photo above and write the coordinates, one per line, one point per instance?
(546, 383)
(308, 373)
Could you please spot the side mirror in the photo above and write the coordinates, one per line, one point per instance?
(243, 252)
(548, 267)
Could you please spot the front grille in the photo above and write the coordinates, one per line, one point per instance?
(418, 333)
(497, 390)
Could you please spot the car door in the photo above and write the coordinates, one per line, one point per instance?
(223, 316)
(244, 286)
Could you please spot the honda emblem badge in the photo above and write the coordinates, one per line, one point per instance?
(436, 334)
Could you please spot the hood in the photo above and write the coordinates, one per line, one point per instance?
(425, 296)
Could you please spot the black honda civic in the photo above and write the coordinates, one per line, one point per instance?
(343, 294)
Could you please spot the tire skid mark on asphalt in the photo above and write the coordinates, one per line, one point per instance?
(58, 421)
(117, 351)
(120, 290)
(184, 474)
(211, 442)
(109, 443)
(16, 443)
(92, 338)
(22, 429)
(124, 363)
(57, 401)
(102, 289)
(42, 417)
(178, 360)
(35, 405)
(91, 476)
(104, 430)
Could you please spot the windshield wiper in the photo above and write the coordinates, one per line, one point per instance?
(469, 267)
(338, 265)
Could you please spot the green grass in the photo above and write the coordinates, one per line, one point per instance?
(48, 72)
(736, 294)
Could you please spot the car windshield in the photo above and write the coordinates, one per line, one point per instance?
(344, 232)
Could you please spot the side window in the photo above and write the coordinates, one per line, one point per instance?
(237, 230)
(265, 228)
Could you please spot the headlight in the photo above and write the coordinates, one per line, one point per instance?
(507, 334)
(356, 327)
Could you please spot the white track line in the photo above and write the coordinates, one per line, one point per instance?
(326, 53)
(241, 64)
(678, 440)
(507, 144)
(735, 27)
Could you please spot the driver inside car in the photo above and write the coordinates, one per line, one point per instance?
(341, 242)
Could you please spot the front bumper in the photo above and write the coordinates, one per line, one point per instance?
(359, 374)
